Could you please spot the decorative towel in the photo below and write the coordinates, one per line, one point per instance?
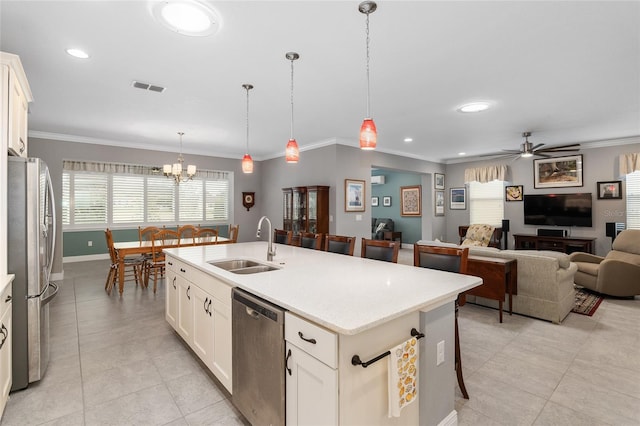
(403, 376)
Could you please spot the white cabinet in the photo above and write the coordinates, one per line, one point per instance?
(198, 307)
(16, 96)
(312, 374)
(5, 345)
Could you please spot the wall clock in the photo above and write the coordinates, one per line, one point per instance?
(248, 199)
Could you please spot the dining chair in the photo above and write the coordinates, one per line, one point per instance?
(380, 250)
(310, 240)
(282, 237)
(187, 235)
(233, 233)
(205, 236)
(450, 259)
(133, 266)
(157, 263)
(144, 234)
(340, 244)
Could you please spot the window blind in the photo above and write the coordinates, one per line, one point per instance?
(128, 199)
(486, 202)
(191, 201)
(90, 198)
(633, 200)
(161, 203)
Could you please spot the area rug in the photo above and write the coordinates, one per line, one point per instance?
(586, 302)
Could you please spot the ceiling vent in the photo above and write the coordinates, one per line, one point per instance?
(377, 180)
(147, 86)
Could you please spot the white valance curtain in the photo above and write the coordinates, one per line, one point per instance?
(486, 174)
(629, 163)
(92, 166)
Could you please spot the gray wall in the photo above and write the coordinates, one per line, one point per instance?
(53, 152)
(599, 164)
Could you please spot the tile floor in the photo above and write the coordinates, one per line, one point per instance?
(117, 362)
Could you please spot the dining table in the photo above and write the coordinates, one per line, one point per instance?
(129, 248)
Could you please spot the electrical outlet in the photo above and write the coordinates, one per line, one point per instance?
(358, 217)
(90, 243)
(440, 354)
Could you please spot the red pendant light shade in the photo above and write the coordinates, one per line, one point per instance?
(368, 134)
(247, 164)
(292, 153)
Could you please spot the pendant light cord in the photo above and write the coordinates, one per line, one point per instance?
(247, 119)
(291, 99)
(368, 92)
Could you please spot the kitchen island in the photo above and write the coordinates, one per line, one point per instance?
(362, 306)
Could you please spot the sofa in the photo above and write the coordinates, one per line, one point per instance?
(545, 282)
(379, 225)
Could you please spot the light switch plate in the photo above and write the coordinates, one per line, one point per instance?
(440, 353)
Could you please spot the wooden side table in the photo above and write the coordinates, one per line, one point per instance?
(392, 236)
(500, 277)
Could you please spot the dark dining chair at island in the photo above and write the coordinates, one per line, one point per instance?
(380, 250)
(449, 259)
(340, 244)
(282, 237)
(310, 240)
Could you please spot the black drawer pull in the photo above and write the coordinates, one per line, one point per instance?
(312, 341)
(8, 299)
(188, 290)
(182, 270)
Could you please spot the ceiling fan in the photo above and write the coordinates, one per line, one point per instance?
(527, 149)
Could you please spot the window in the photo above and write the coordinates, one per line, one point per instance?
(633, 200)
(486, 202)
(111, 195)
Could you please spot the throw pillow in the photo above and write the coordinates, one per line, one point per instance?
(380, 227)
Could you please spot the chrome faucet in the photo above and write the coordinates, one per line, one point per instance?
(271, 250)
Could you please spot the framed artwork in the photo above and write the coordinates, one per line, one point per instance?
(513, 193)
(439, 181)
(374, 201)
(610, 190)
(410, 203)
(439, 203)
(354, 193)
(559, 172)
(386, 201)
(458, 199)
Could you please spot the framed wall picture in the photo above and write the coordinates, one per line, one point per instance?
(458, 198)
(354, 193)
(513, 193)
(559, 172)
(410, 200)
(610, 190)
(386, 201)
(439, 181)
(439, 203)
(374, 201)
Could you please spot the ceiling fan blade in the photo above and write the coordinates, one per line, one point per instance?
(542, 154)
(537, 146)
(551, 151)
(575, 147)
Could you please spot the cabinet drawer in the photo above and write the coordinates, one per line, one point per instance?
(303, 334)
(5, 300)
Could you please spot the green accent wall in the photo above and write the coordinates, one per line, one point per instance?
(76, 243)
(411, 227)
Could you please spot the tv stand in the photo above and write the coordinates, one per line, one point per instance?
(562, 244)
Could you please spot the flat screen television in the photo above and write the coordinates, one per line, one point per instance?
(558, 209)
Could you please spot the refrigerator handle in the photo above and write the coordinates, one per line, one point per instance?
(52, 295)
(52, 205)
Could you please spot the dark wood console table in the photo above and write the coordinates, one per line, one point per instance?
(392, 236)
(499, 276)
(562, 244)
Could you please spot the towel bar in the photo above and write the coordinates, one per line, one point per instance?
(355, 360)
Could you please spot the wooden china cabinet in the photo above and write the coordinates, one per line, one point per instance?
(306, 209)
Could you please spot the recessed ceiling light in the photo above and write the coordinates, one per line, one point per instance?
(408, 139)
(474, 107)
(187, 17)
(77, 53)
(462, 153)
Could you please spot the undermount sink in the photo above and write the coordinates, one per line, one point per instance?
(242, 266)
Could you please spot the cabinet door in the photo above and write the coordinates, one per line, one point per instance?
(5, 355)
(185, 309)
(171, 299)
(312, 390)
(222, 364)
(202, 325)
(18, 110)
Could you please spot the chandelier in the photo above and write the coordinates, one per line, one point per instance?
(368, 132)
(176, 170)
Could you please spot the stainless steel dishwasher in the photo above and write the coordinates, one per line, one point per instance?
(258, 359)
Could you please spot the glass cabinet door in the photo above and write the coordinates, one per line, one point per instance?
(299, 212)
(287, 197)
(312, 199)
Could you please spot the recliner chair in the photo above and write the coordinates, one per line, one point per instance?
(617, 274)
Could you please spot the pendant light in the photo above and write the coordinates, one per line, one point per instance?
(368, 132)
(247, 161)
(292, 153)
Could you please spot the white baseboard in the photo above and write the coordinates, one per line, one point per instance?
(450, 420)
(71, 259)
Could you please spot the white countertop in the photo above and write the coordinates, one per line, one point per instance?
(342, 293)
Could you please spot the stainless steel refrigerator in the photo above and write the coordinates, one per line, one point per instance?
(31, 243)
